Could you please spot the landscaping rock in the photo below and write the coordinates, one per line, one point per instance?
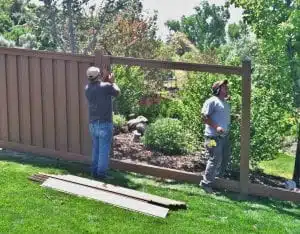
(124, 129)
(133, 122)
(141, 127)
(136, 136)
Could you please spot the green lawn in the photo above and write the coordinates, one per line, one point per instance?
(25, 207)
(282, 166)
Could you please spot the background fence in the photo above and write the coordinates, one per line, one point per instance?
(44, 111)
(42, 101)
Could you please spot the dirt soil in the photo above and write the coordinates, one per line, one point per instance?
(126, 148)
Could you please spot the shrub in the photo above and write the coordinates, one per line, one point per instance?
(169, 136)
(173, 108)
(131, 82)
(119, 121)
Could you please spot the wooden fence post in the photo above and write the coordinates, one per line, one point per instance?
(102, 62)
(245, 128)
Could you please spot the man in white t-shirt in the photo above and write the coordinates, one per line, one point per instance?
(216, 116)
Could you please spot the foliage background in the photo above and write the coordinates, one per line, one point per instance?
(269, 35)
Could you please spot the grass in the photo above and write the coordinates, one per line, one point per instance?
(25, 207)
(283, 166)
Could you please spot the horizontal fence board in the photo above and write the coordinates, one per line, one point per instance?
(44, 152)
(46, 54)
(117, 190)
(3, 99)
(106, 197)
(175, 65)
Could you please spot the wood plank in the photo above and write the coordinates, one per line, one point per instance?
(150, 63)
(13, 99)
(60, 106)
(155, 171)
(118, 190)
(85, 139)
(106, 197)
(48, 104)
(36, 102)
(24, 100)
(271, 192)
(245, 128)
(3, 99)
(47, 54)
(73, 108)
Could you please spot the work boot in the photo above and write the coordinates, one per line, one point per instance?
(206, 188)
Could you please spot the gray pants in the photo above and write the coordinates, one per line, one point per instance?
(219, 152)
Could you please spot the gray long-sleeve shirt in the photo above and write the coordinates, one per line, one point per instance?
(99, 96)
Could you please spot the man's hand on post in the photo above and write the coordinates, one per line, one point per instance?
(220, 129)
(111, 78)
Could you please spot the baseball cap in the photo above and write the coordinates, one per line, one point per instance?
(219, 83)
(92, 72)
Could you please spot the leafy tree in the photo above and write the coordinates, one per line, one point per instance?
(275, 23)
(107, 11)
(73, 13)
(131, 34)
(6, 21)
(236, 31)
(205, 28)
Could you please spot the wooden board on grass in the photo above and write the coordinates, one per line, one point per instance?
(106, 197)
(120, 190)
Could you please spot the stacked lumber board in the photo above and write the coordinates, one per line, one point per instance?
(115, 195)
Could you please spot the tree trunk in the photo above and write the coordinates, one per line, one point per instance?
(71, 28)
(296, 176)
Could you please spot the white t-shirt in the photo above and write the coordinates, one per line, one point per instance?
(219, 112)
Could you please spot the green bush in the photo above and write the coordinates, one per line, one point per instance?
(173, 108)
(169, 136)
(119, 120)
(131, 82)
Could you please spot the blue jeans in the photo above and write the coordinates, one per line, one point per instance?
(101, 134)
(219, 157)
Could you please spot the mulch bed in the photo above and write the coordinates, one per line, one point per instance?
(126, 148)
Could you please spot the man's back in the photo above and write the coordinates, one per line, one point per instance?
(99, 96)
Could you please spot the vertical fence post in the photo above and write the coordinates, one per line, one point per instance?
(103, 62)
(245, 127)
(99, 58)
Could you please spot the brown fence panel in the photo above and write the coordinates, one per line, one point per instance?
(3, 99)
(43, 105)
(24, 100)
(13, 99)
(48, 103)
(85, 139)
(73, 107)
(60, 105)
(36, 109)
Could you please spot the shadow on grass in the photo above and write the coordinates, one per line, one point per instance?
(67, 167)
(251, 202)
(124, 180)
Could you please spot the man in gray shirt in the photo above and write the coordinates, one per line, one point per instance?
(99, 92)
(216, 116)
